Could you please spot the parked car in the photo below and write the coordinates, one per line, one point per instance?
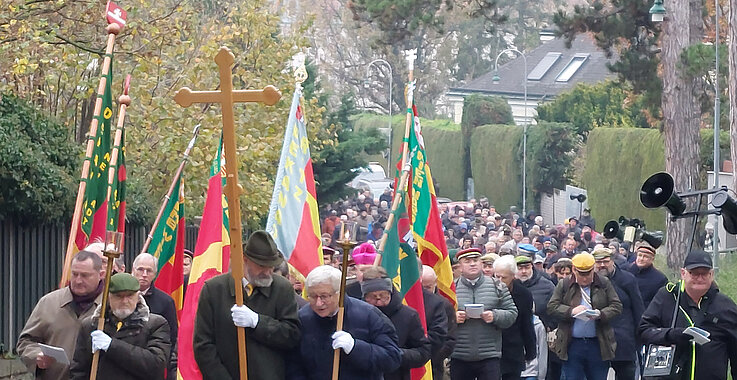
(372, 178)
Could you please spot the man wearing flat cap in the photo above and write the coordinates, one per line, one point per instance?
(584, 305)
(134, 344)
(268, 314)
(649, 279)
(485, 307)
(625, 324)
(700, 304)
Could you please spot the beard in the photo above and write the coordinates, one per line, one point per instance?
(262, 281)
(122, 313)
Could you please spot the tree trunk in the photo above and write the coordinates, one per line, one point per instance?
(680, 119)
(732, 84)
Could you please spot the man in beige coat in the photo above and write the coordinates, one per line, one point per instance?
(57, 316)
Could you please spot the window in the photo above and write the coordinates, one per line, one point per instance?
(572, 67)
(543, 66)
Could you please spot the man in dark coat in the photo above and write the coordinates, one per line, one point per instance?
(415, 346)
(145, 268)
(624, 325)
(368, 341)
(649, 279)
(134, 344)
(269, 316)
(519, 342)
(441, 322)
(540, 287)
(700, 305)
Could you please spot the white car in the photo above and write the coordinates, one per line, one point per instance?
(372, 178)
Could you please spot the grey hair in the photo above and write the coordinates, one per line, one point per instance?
(324, 274)
(427, 271)
(146, 256)
(506, 263)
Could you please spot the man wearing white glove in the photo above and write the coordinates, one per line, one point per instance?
(367, 343)
(134, 344)
(343, 340)
(269, 317)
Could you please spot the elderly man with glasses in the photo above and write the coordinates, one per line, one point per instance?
(367, 342)
(585, 304)
(701, 305)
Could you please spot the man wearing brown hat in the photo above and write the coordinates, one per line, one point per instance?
(649, 279)
(134, 344)
(584, 306)
(269, 316)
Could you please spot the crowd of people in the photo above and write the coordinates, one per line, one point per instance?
(533, 302)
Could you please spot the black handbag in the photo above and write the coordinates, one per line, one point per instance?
(659, 359)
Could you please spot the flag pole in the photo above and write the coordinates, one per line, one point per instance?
(411, 56)
(113, 29)
(346, 244)
(124, 101)
(177, 174)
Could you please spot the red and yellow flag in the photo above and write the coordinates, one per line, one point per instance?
(211, 258)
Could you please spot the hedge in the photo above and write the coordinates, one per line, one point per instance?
(618, 161)
(496, 152)
(443, 143)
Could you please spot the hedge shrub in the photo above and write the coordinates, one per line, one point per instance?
(496, 163)
(618, 161)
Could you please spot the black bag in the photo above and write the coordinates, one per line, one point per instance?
(659, 359)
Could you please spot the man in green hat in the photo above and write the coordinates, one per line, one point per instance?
(268, 314)
(134, 344)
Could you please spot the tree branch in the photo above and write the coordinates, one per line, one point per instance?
(77, 45)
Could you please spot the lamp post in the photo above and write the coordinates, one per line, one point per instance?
(495, 80)
(391, 78)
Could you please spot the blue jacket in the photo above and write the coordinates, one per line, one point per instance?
(625, 324)
(649, 280)
(375, 351)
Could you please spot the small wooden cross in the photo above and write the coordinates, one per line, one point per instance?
(227, 97)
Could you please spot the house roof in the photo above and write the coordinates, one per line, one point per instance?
(554, 56)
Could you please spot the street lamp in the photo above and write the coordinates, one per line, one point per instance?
(657, 11)
(391, 78)
(496, 80)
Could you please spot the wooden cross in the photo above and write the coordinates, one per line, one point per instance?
(226, 96)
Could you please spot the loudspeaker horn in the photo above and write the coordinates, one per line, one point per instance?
(655, 241)
(658, 191)
(612, 230)
(579, 197)
(728, 206)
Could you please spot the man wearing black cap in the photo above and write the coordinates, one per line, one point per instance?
(134, 344)
(269, 316)
(700, 305)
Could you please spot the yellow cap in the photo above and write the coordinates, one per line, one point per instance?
(583, 262)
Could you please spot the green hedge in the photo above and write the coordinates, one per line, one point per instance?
(496, 152)
(618, 161)
(443, 143)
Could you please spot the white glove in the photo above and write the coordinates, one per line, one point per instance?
(100, 341)
(243, 316)
(344, 340)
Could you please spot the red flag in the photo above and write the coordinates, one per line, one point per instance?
(211, 258)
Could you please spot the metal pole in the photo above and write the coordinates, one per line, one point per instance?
(524, 126)
(717, 106)
(391, 84)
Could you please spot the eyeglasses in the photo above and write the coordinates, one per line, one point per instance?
(383, 296)
(699, 274)
(603, 261)
(146, 270)
(321, 297)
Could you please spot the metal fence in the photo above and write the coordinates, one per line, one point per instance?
(31, 261)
